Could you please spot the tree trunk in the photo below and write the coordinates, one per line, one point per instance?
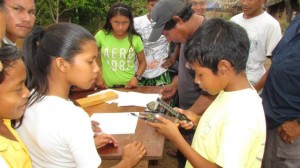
(289, 12)
(57, 11)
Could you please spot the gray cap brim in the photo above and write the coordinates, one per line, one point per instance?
(156, 33)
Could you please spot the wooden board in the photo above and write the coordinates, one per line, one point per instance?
(96, 99)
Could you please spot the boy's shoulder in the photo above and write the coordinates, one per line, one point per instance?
(237, 101)
(267, 17)
(140, 18)
(102, 31)
(101, 34)
(237, 16)
(263, 17)
(141, 22)
(136, 37)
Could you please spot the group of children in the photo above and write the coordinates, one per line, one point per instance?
(53, 57)
(217, 51)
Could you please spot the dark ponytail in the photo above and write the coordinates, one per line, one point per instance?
(41, 46)
(1, 4)
(36, 66)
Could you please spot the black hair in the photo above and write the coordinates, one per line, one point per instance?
(42, 45)
(2, 7)
(295, 5)
(123, 10)
(219, 40)
(8, 55)
(185, 14)
(1, 3)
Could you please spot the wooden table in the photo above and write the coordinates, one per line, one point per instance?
(145, 134)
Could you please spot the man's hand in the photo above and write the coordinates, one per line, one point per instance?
(289, 131)
(168, 92)
(168, 62)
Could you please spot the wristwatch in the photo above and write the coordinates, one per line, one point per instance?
(137, 76)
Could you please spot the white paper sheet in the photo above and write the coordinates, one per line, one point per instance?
(131, 98)
(116, 123)
(136, 99)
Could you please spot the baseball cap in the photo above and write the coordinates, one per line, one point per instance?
(161, 13)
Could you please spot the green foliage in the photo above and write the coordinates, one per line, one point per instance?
(88, 13)
(283, 24)
(43, 14)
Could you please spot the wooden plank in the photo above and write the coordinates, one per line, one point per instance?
(111, 163)
(96, 99)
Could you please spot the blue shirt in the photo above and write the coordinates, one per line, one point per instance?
(281, 94)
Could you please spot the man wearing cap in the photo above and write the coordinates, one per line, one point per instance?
(177, 23)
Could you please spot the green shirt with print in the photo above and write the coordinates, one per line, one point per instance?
(118, 57)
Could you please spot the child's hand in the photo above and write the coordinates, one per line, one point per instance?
(100, 83)
(104, 139)
(132, 153)
(95, 127)
(191, 116)
(133, 83)
(168, 62)
(166, 128)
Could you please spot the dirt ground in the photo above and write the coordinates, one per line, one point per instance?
(167, 161)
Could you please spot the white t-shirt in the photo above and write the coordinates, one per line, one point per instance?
(155, 52)
(59, 134)
(7, 41)
(264, 33)
(232, 131)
